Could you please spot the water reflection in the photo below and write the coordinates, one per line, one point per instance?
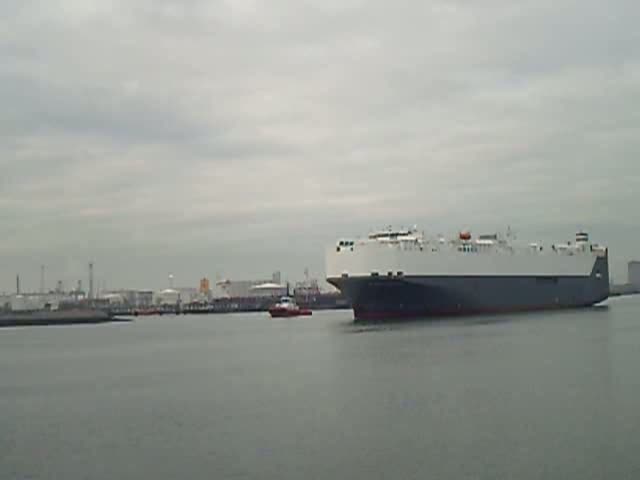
(544, 395)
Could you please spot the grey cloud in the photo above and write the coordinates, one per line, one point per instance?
(38, 108)
(238, 137)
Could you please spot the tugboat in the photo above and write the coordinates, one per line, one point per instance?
(287, 307)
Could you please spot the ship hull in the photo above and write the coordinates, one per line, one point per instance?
(428, 296)
(276, 312)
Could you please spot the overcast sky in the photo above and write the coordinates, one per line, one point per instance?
(234, 138)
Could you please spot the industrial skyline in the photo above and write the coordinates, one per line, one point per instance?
(631, 276)
(199, 283)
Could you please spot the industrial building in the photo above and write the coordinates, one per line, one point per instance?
(205, 289)
(27, 302)
(131, 298)
(250, 288)
(634, 274)
(34, 301)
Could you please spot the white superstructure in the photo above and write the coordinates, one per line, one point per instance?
(408, 252)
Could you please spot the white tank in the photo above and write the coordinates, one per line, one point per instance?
(168, 297)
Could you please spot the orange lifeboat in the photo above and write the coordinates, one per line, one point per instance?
(465, 235)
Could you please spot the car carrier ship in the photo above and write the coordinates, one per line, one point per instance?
(399, 273)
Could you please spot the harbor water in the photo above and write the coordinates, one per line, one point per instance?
(244, 396)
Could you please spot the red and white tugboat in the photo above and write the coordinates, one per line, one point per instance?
(287, 307)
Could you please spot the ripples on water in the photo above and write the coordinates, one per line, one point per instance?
(541, 395)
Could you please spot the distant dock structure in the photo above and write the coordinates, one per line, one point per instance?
(634, 274)
(633, 282)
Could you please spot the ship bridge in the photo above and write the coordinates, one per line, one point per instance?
(405, 237)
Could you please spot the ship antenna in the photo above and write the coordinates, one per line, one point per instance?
(510, 233)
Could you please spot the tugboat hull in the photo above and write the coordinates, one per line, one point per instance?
(285, 312)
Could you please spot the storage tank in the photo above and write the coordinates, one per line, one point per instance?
(268, 289)
(114, 298)
(168, 297)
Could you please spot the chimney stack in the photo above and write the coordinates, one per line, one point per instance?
(90, 280)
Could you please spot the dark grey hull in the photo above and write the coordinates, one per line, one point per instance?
(380, 298)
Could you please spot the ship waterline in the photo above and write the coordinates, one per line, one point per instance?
(400, 274)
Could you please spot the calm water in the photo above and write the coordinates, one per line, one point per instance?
(243, 396)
